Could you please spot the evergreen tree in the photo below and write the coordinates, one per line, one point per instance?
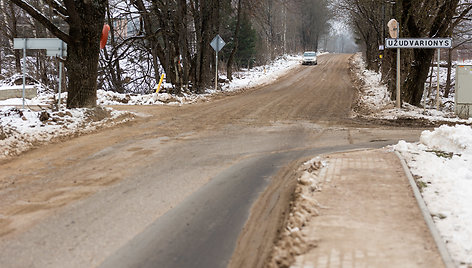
(247, 43)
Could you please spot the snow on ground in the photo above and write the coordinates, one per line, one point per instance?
(22, 129)
(262, 75)
(441, 161)
(374, 96)
(442, 164)
(374, 100)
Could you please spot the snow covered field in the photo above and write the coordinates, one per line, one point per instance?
(441, 163)
(23, 129)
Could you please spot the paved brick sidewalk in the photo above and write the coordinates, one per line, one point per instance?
(370, 216)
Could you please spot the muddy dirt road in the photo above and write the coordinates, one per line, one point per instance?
(175, 188)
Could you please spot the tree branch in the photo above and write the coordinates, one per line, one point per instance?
(33, 12)
(59, 8)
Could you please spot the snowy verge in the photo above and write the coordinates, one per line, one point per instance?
(441, 163)
(374, 100)
(23, 129)
(263, 75)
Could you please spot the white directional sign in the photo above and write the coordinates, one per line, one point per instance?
(217, 43)
(418, 43)
(53, 46)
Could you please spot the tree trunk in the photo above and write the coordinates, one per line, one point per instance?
(417, 66)
(209, 16)
(151, 37)
(81, 63)
(82, 54)
(85, 19)
(416, 76)
(449, 68)
(229, 65)
(14, 34)
(430, 86)
(183, 43)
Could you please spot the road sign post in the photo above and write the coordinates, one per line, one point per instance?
(437, 82)
(61, 66)
(399, 92)
(394, 30)
(54, 47)
(24, 75)
(217, 44)
(434, 43)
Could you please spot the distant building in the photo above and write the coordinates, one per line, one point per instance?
(126, 27)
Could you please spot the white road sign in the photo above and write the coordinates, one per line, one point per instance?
(217, 43)
(53, 46)
(418, 43)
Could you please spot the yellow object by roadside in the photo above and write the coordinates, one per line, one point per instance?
(160, 82)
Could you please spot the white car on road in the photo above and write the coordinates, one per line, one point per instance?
(309, 57)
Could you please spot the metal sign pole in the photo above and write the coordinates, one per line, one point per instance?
(60, 84)
(398, 71)
(24, 73)
(216, 72)
(437, 86)
(217, 44)
(60, 76)
(54, 47)
(398, 79)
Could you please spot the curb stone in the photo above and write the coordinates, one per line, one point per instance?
(446, 257)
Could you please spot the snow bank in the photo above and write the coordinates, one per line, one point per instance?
(456, 139)
(443, 162)
(262, 75)
(23, 129)
(374, 95)
(292, 241)
(114, 98)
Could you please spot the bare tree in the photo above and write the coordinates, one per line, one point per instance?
(229, 65)
(415, 23)
(9, 27)
(314, 18)
(368, 18)
(84, 19)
